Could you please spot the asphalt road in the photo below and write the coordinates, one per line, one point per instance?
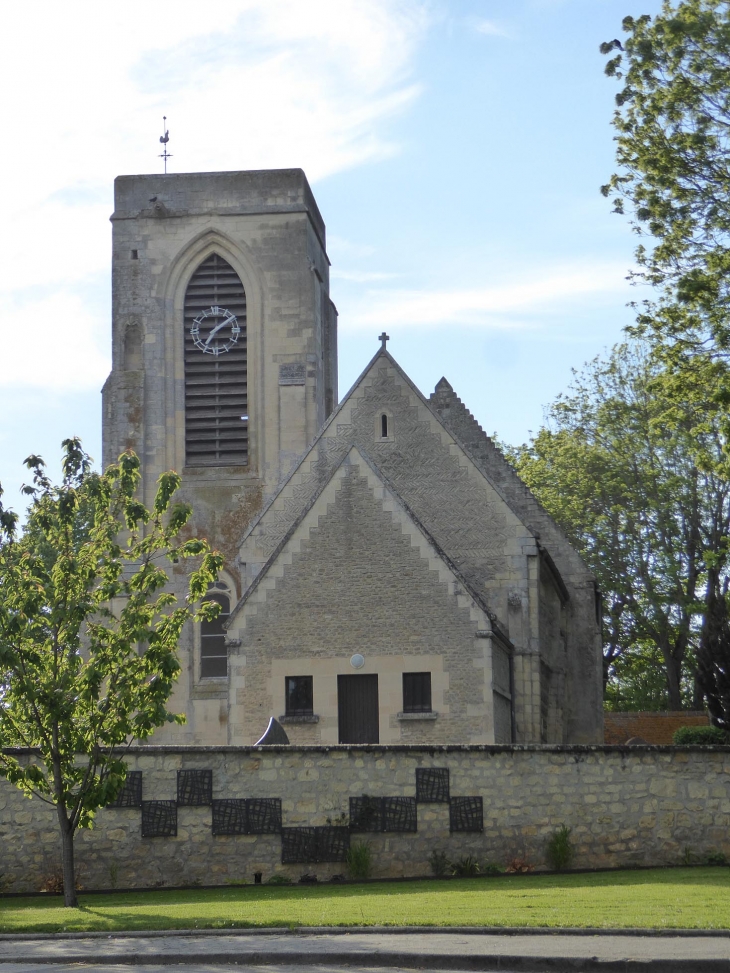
(282, 951)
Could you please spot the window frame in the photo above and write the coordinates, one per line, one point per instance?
(219, 589)
(409, 706)
(298, 711)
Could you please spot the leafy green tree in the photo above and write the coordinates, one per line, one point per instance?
(626, 487)
(673, 151)
(673, 140)
(88, 632)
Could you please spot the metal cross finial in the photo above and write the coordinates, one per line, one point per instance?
(383, 339)
(165, 138)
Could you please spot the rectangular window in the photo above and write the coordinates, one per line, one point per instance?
(213, 650)
(299, 695)
(416, 692)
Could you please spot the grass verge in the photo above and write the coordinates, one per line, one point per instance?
(691, 898)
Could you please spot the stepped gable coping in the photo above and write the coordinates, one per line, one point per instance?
(384, 353)
(474, 594)
(444, 387)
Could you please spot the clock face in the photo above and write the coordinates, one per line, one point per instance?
(215, 330)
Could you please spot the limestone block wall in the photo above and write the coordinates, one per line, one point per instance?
(362, 580)
(625, 805)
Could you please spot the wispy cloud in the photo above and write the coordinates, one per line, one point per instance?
(490, 28)
(517, 304)
(251, 84)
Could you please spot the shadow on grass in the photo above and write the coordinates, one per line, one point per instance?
(444, 903)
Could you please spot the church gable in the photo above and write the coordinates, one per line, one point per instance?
(357, 575)
(386, 416)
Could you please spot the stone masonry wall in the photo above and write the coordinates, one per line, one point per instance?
(626, 806)
(359, 583)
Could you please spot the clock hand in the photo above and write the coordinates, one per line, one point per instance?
(216, 329)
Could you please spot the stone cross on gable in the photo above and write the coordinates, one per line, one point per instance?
(383, 339)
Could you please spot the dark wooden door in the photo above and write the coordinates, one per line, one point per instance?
(357, 709)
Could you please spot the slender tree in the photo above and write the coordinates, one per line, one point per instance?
(89, 631)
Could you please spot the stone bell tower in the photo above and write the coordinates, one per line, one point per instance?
(224, 338)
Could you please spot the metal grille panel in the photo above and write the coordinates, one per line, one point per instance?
(311, 845)
(466, 814)
(229, 816)
(383, 813)
(432, 785)
(333, 844)
(298, 845)
(365, 813)
(216, 394)
(131, 793)
(159, 819)
(194, 787)
(263, 815)
(400, 814)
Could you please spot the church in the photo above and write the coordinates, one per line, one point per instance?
(388, 578)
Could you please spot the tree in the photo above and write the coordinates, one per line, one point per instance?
(673, 150)
(673, 141)
(88, 632)
(626, 487)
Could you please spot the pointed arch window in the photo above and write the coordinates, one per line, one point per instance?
(216, 393)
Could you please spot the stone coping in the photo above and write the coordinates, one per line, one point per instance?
(429, 748)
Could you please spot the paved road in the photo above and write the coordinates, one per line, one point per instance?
(535, 953)
(196, 968)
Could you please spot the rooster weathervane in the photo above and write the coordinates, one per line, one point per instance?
(165, 139)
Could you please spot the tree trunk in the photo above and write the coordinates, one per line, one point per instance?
(67, 859)
(674, 674)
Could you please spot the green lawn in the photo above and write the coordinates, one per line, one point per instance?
(692, 898)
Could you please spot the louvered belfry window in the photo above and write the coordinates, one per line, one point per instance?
(216, 399)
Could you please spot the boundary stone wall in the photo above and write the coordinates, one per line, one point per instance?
(639, 805)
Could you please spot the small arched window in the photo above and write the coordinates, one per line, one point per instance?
(384, 427)
(213, 649)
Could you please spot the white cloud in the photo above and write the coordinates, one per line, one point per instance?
(490, 28)
(51, 344)
(492, 307)
(250, 84)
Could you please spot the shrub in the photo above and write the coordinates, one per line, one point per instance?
(439, 863)
(491, 868)
(360, 860)
(706, 735)
(559, 851)
(466, 867)
(716, 858)
(279, 880)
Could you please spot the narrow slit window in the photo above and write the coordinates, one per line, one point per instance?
(213, 650)
(384, 426)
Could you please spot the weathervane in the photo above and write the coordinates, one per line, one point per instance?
(165, 139)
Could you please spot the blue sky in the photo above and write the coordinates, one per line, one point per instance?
(456, 151)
